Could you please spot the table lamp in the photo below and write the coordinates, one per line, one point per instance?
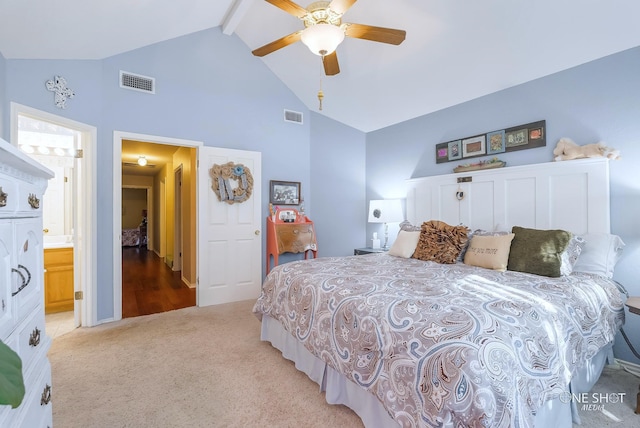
(385, 211)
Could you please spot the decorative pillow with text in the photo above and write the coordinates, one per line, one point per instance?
(489, 251)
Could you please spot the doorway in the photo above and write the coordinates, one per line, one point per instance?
(156, 275)
(68, 147)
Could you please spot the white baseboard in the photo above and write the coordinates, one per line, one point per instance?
(187, 283)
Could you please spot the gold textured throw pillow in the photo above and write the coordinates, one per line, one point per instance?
(490, 252)
(440, 242)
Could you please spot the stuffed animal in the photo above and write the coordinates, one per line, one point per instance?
(567, 149)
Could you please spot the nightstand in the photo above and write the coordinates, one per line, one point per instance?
(361, 251)
(633, 303)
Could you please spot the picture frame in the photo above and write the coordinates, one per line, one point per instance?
(442, 152)
(518, 137)
(474, 146)
(455, 150)
(495, 142)
(284, 192)
(536, 133)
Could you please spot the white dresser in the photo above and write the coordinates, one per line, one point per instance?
(22, 326)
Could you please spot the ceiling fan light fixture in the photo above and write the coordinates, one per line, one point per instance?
(142, 161)
(322, 39)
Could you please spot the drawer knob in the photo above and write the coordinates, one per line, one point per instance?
(34, 339)
(3, 198)
(33, 200)
(46, 396)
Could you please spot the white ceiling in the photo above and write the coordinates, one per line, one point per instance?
(455, 50)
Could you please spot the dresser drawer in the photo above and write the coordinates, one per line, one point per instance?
(295, 238)
(36, 407)
(32, 341)
(29, 198)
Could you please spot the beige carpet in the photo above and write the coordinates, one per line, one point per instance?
(206, 367)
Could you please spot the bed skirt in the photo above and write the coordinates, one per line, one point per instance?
(340, 390)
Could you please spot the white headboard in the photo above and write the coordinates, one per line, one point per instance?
(569, 195)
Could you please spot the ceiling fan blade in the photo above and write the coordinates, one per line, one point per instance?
(289, 7)
(278, 44)
(330, 62)
(375, 34)
(341, 6)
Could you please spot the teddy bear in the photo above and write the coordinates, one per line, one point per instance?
(567, 149)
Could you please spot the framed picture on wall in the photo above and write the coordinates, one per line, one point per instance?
(284, 192)
(519, 137)
(455, 150)
(473, 146)
(495, 142)
(442, 152)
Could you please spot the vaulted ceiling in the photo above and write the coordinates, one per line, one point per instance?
(455, 50)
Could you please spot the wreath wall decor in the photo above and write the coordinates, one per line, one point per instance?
(221, 176)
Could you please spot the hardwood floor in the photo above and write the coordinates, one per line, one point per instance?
(149, 286)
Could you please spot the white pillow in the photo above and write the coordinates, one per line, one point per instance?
(600, 253)
(405, 244)
(571, 255)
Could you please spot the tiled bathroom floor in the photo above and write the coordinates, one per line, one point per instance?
(59, 323)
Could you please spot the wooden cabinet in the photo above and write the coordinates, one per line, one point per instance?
(289, 232)
(22, 326)
(58, 280)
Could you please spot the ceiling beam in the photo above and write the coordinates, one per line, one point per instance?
(234, 16)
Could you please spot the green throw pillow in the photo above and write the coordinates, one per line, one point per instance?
(538, 251)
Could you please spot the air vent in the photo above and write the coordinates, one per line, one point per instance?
(137, 82)
(293, 116)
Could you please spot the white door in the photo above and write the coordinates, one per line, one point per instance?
(229, 235)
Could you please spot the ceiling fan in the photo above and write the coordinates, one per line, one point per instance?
(324, 30)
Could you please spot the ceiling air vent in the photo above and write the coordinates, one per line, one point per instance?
(137, 82)
(293, 116)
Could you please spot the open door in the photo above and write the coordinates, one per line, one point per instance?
(229, 256)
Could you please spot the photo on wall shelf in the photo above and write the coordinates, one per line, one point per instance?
(495, 142)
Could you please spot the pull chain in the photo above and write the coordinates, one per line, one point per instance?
(320, 93)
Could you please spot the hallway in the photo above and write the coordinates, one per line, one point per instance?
(149, 286)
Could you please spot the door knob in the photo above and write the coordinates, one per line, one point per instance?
(257, 232)
(45, 230)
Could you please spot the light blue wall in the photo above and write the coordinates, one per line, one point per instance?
(337, 186)
(208, 88)
(2, 98)
(598, 101)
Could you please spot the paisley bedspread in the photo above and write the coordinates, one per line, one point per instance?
(440, 342)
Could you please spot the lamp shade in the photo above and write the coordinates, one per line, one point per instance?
(322, 39)
(385, 211)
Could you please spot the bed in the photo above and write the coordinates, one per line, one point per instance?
(409, 342)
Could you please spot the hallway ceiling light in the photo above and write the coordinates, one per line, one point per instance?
(142, 161)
